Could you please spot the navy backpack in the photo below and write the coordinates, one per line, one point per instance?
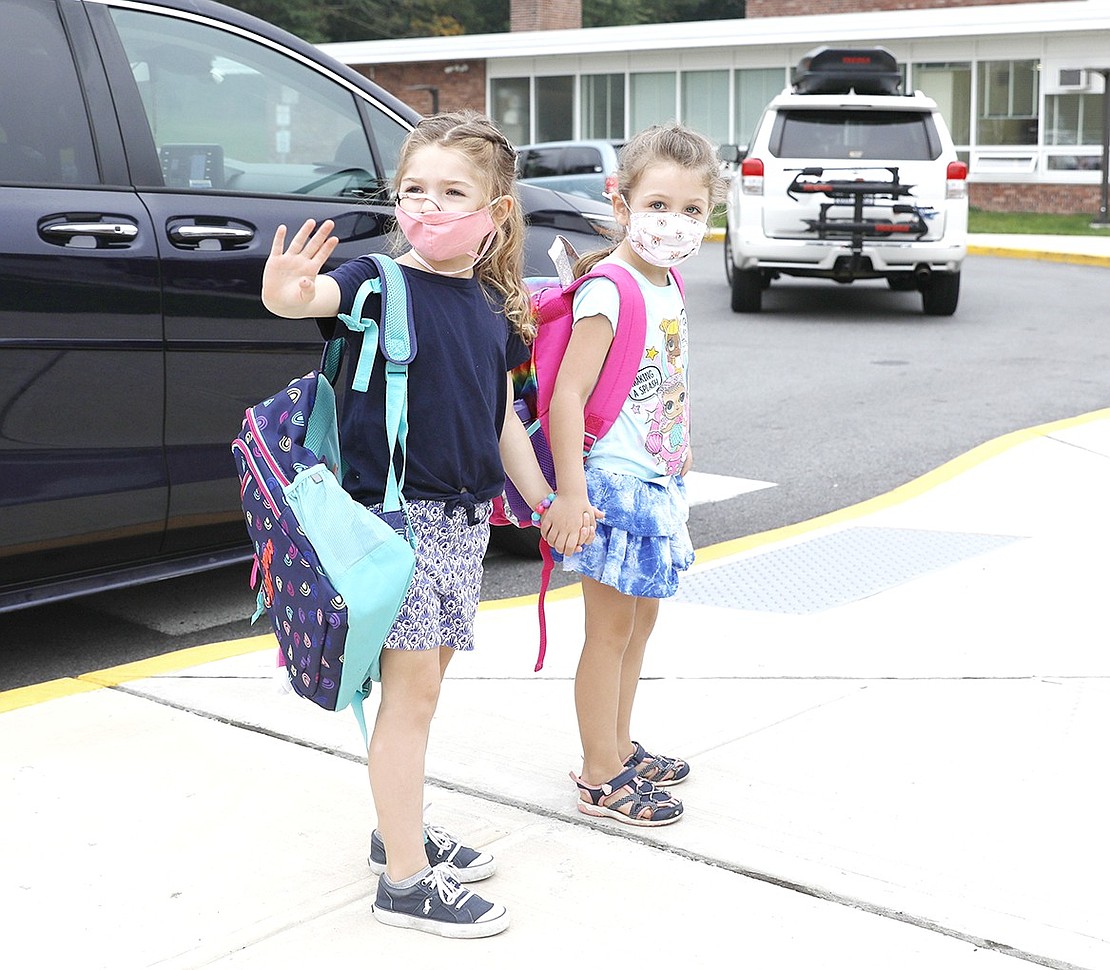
(333, 574)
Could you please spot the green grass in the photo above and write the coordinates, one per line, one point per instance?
(1033, 222)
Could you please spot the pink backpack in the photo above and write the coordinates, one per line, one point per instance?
(534, 381)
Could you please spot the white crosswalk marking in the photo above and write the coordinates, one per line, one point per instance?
(704, 487)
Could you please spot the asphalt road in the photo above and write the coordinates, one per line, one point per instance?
(834, 393)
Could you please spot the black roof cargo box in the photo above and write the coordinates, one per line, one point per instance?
(838, 70)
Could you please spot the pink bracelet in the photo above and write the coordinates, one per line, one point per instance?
(542, 507)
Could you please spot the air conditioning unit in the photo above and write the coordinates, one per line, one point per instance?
(1072, 79)
(1060, 77)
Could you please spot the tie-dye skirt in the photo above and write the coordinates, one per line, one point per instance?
(642, 544)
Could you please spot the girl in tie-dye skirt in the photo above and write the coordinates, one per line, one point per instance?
(668, 184)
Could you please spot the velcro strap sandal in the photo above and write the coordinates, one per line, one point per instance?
(657, 768)
(628, 798)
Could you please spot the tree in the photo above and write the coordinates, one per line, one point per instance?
(680, 11)
(616, 13)
(319, 21)
(305, 20)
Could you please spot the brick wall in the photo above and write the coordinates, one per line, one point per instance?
(460, 84)
(1024, 197)
(793, 8)
(545, 14)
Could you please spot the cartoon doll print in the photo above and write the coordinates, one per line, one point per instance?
(672, 336)
(666, 438)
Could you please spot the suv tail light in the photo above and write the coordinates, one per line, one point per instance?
(751, 176)
(956, 187)
(610, 185)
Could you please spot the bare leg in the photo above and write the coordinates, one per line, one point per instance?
(610, 625)
(410, 691)
(445, 655)
(647, 610)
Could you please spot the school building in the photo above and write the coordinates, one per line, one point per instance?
(1021, 85)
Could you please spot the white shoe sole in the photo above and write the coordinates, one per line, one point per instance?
(600, 811)
(456, 931)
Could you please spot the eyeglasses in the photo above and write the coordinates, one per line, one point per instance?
(414, 201)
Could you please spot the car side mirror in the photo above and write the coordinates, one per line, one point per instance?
(731, 154)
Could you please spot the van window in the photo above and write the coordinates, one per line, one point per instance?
(227, 113)
(44, 131)
(580, 160)
(540, 162)
(850, 135)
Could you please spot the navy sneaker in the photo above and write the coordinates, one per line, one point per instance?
(471, 865)
(439, 904)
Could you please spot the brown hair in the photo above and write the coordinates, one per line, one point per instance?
(476, 138)
(663, 143)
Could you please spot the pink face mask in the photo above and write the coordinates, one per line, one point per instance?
(443, 236)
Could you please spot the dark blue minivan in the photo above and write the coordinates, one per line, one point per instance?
(148, 149)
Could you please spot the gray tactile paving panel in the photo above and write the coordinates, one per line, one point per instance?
(832, 569)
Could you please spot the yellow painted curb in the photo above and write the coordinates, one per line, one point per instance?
(166, 663)
(554, 595)
(1079, 259)
(13, 700)
(169, 663)
(194, 656)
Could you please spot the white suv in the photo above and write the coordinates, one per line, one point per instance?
(847, 179)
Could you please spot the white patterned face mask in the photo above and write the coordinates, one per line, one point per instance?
(664, 238)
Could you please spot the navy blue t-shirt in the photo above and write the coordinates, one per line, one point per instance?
(465, 347)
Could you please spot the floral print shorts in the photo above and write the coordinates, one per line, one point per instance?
(642, 544)
(440, 606)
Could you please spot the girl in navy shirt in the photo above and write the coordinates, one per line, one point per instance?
(458, 208)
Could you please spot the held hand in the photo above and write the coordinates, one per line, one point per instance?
(568, 525)
(289, 276)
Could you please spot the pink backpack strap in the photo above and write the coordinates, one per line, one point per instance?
(623, 360)
(622, 363)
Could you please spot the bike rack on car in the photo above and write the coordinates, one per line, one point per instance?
(857, 193)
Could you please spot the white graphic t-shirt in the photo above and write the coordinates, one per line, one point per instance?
(651, 437)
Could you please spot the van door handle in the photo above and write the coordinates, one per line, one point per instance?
(68, 232)
(190, 234)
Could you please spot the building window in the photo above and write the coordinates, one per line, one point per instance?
(755, 87)
(705, 103)
(949, 85)
(510, 98)
(1073, 119)
(603, 106)
(1007, 103)
(653, 99)
(1075, 163)
(554, 108)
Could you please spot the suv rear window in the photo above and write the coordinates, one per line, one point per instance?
(838, 134)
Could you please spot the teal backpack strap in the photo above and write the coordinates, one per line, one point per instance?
(360, 715)
(395, 337)
(398, 347)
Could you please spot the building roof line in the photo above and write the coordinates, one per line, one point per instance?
(1057, 17)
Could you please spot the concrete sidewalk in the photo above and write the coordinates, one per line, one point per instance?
(896, 716)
